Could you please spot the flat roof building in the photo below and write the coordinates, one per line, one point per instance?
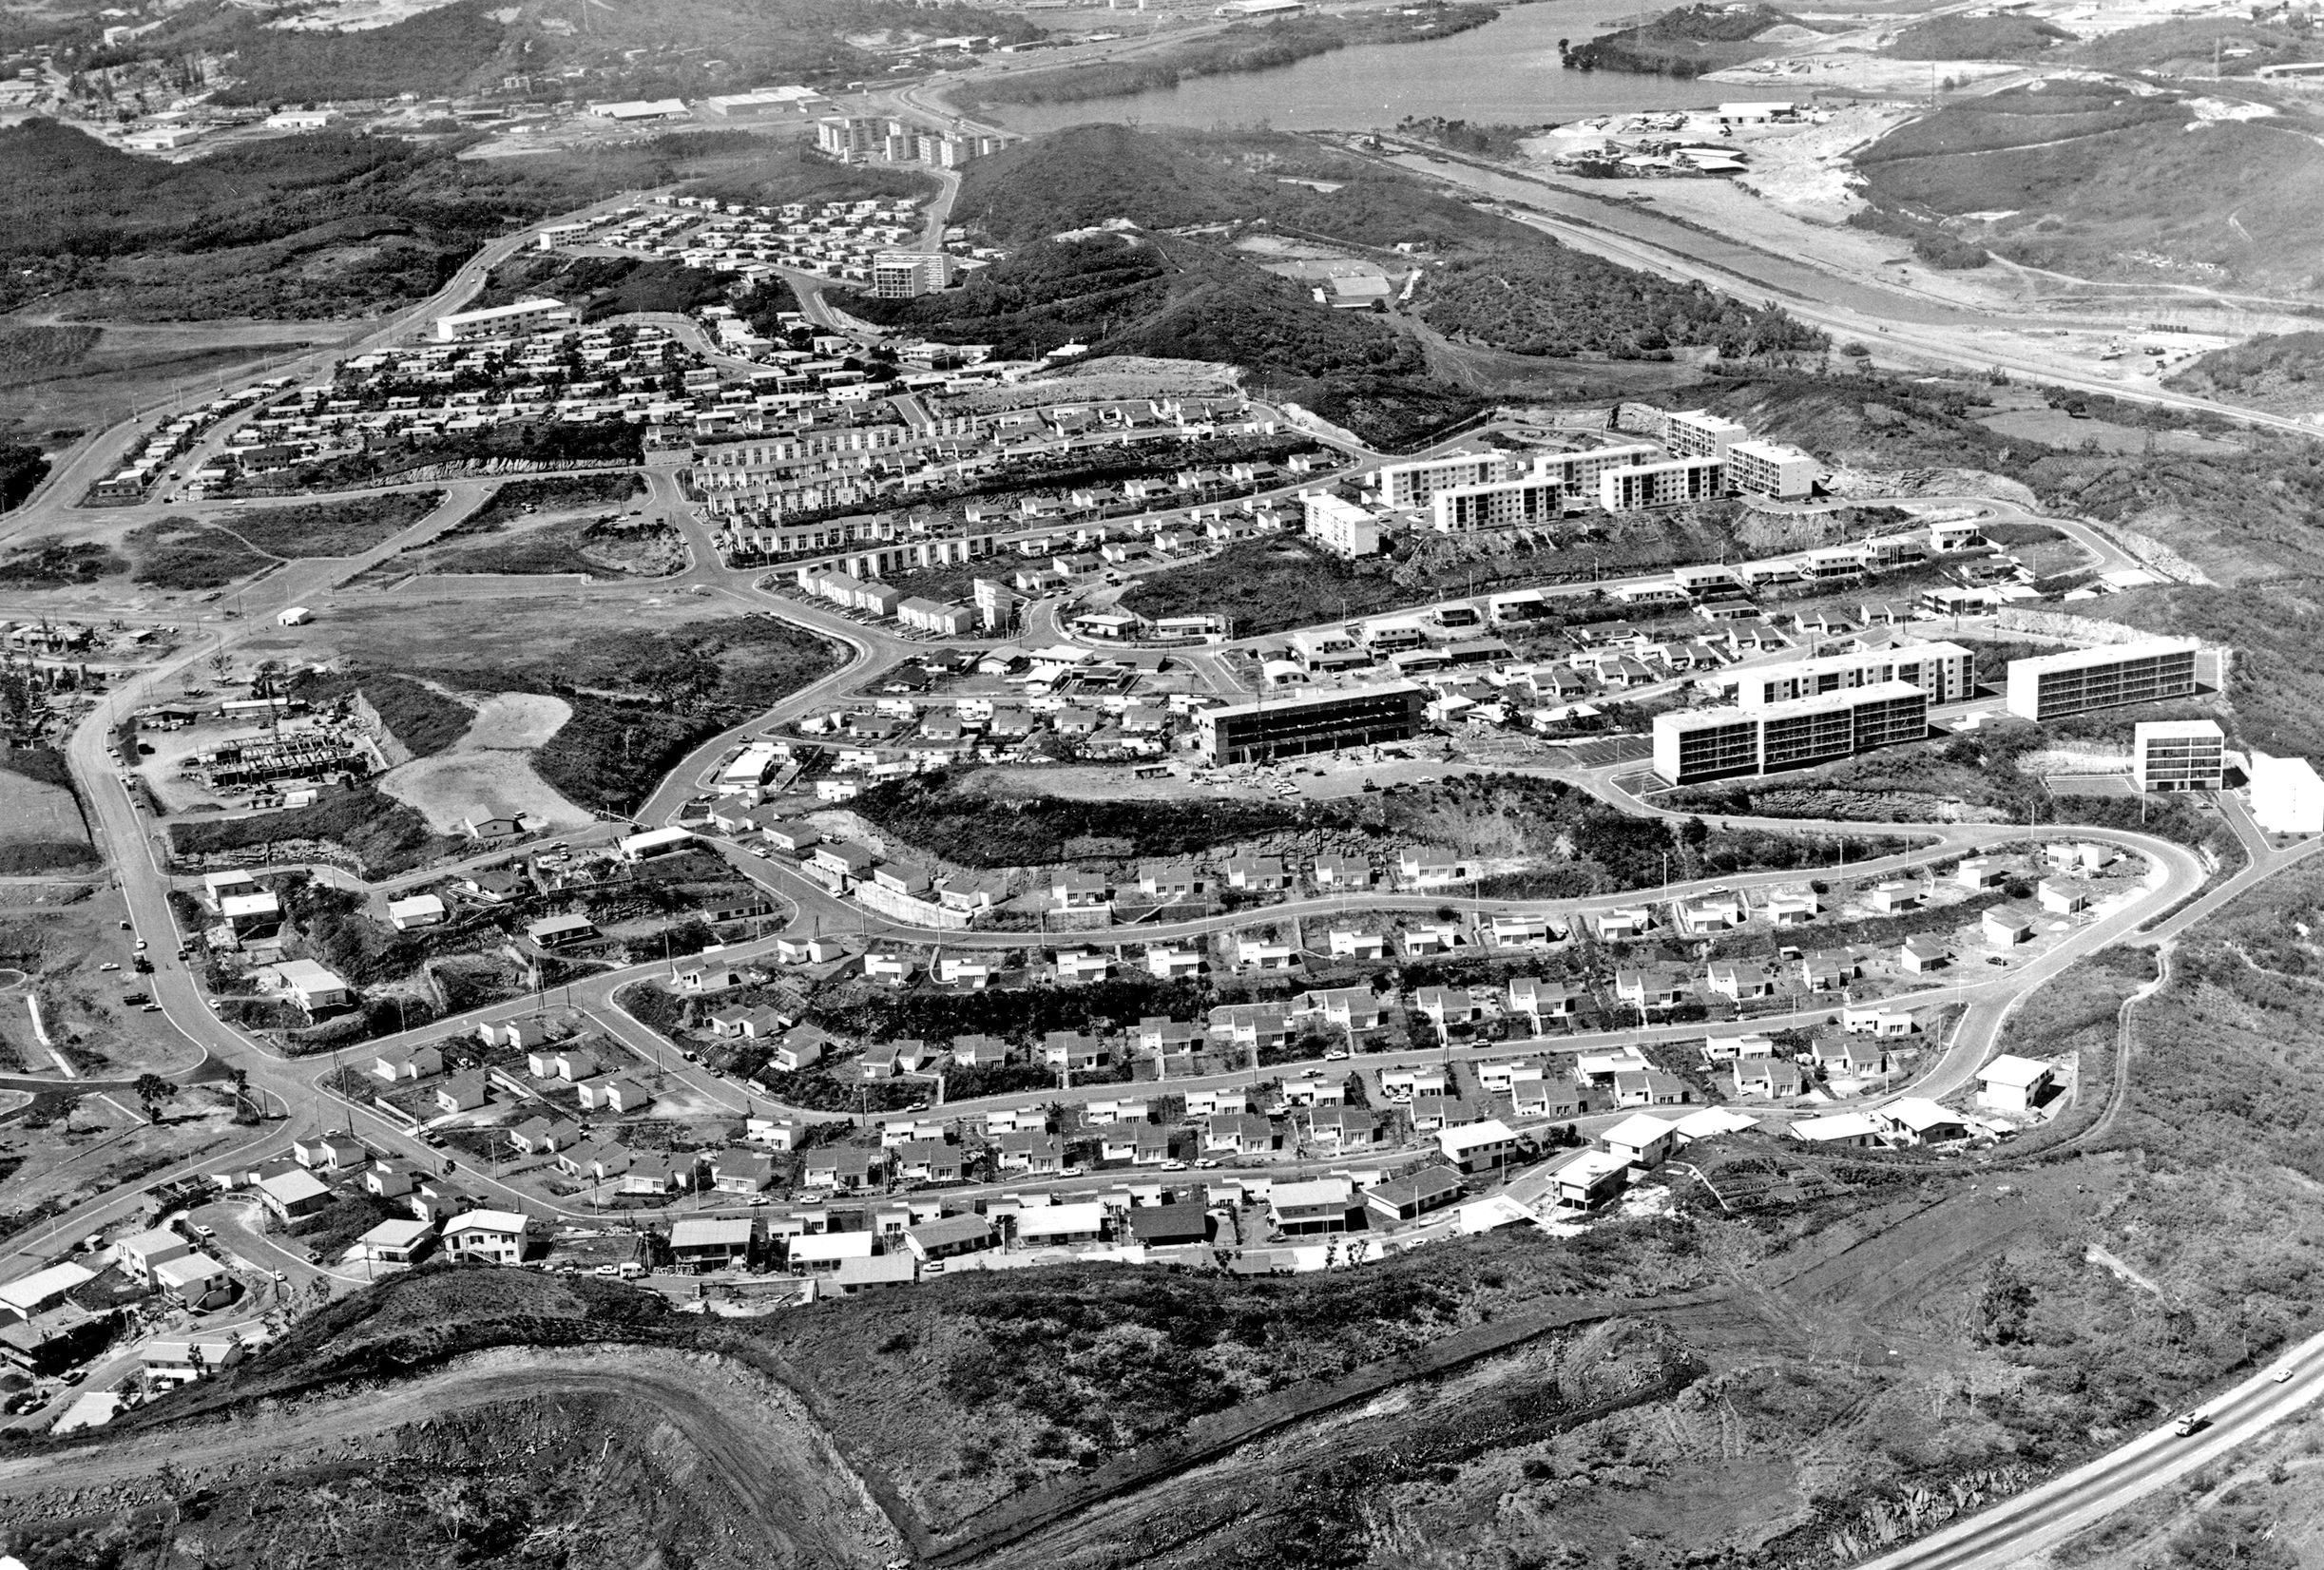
(1313, 722)
(2287, 797)
(1498, 503)
(1944, 671)
(1577, 473)
(2073, 680)
(2178, 754)
(1699, 433)
(1770, 469)
(528, 314)
(1671, 484)
(1413, 483)
(908, 275)
(1340, 526)
(1718, 743)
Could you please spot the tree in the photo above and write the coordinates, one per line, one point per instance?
(151, 1090)
(2001, 1306)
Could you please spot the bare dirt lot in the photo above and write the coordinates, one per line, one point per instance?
(488, 771)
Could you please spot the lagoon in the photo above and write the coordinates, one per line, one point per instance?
(1505, 72)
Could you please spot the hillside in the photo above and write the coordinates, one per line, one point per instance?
(1959, 37)
(1686, 41)
(1245, 47)
(2282, 373)
(2086, 178)
(1177, 296)
(322, 226)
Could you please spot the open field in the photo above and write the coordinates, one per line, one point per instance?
(486, 773)
(40, 825)
(59, 376)
(347, 527)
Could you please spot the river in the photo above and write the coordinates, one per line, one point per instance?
(1505, 72)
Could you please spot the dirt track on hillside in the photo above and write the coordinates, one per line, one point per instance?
(749, 1439)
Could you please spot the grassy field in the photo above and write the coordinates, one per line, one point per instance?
(332, 528)
(40, 825)
(179, 553)
(2096, 184)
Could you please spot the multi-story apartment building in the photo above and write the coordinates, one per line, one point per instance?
(1577, 473)
(1770, 469)
(2146, 671)
(1314, 722)
(907, 275)
(1498, 503)
(1699, 433)
(1695, 744)
(1668, 484)
(1945, 671)
(2178, 754)
(1340, 526)
(1412, 483)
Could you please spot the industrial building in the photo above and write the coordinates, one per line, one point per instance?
(2147, 671)
(908, 275)
(1497, 503)
(1945, 671)
(1670, 484)
(1697, 745)
(1411, 485)
(763, 102)
(2178, 754)
(1770, 469)
(1315, 722)
(2287, 797)
(1699, 433)
(1340, 526)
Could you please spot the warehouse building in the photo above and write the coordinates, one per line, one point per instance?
(1698, 744)
(1316, 722)
(1947, 672)
(2178, 754)
(2147, 671)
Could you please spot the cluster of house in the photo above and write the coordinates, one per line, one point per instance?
(144, 465)
(66, 1312)
(870, 139)
(827, 447)
(851, 241)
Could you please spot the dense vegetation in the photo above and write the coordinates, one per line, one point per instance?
(1182, 296)
(1247, 47)
(1992, 37)
(544, 441)
(1551, 300)
(606, 286)
(382, 835)
(1683, 43)
(954, 814)
(1461, 136)
(2271, 371)
(427, 54)
(51, 563)
(22, 468)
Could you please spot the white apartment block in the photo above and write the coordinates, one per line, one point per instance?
(1340, 526)
(908, 275)
(1699, 433)
(1577, 473)
(1670, 484)
(1498, 503)
(2147, 671)
(2287, 797)
(2178, 754)
(1695, 744)
(1411, 485)
(1770, 469)
(1944, 671)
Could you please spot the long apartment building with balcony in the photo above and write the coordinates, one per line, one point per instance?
(1947, 672)
(2149, 670)
(1698, 744)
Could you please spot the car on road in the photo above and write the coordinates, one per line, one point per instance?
(280, 1277)
(2189, 1423)
(2281, 1374)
